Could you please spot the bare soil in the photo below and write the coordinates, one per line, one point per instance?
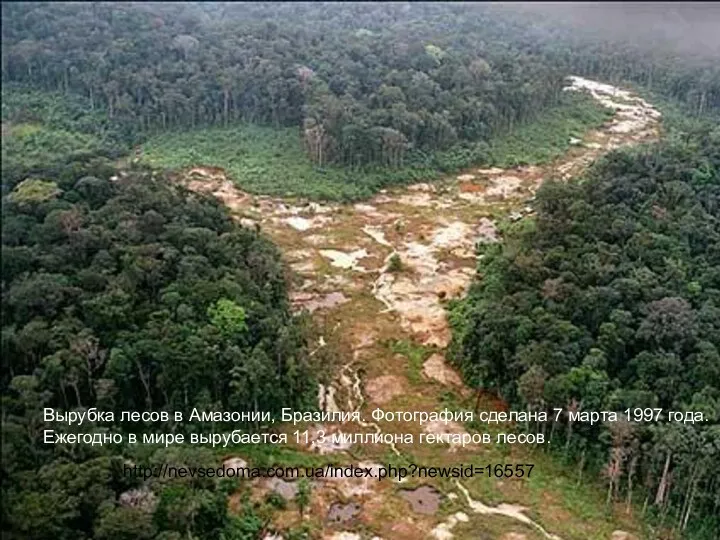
(340, 255)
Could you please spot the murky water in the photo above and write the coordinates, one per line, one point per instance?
(423, 500)
(340, 513)
(287, 490)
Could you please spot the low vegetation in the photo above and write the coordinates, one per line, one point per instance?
(50, 133)
(395, 263)
(549, 136)
(415, 354)
(267, 160)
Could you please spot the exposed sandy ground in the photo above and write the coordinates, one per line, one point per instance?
(383, 389)
(341, 254)
(436, 368)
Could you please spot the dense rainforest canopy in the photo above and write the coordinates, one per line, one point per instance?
(129, 294)
(359, 88)
(364, 84)
(608, 300)
(106, 273)
(124, 292)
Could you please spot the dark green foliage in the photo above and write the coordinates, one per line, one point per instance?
(132, 295)
(384, 91)
(145, 274)
(45, 133)
(358, 88)
(395, 263)
(359, 84)
(612, 301)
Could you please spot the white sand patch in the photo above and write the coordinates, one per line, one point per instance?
(453, 235)
(633, 114)
(466, 177)
(491, 171)
(365, 208)
(504, 186)
(487, 231)
(437, 369)
(234, 463)
(383, 198)
(326, 398)
(419, 294)
(443, 530)
(513, 511)
(343, 260)
(317, 208)
(418, 301)
(220, 188)
(317, 240)
(627, 125)
(376, 216)
(377, 234)
(423, 186)
(299, 223)
(303, 224)
(248, 223)
(344, 535)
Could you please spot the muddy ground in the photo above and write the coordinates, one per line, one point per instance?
(339, 256)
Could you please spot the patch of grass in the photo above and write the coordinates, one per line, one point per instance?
(33, 191)
(395, 264)
(264, 160)
(272, 161)
(548, 137)
(47, 132)
(24, 130)
(416, 355)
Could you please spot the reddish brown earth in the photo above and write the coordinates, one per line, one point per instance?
(338, 255)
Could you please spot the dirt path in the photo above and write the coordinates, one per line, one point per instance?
(340, 256)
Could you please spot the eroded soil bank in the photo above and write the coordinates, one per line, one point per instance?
(341, 258)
